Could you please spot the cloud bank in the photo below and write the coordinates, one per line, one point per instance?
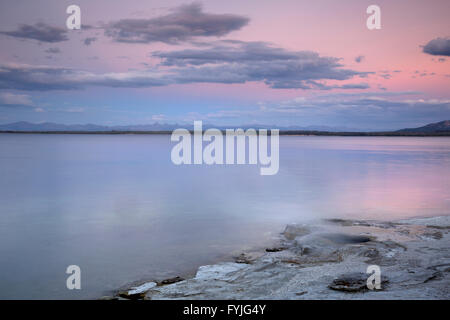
(45, 78)
(238, 62)
(227, 62)
(40, 32)
(186, 22)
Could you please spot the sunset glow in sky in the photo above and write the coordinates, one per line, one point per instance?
(235, 62)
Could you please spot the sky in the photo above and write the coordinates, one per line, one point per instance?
(228, 63)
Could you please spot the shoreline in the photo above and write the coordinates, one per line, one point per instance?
(325, 259)
(281, 133)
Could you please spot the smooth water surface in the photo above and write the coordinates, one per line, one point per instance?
(116, 205)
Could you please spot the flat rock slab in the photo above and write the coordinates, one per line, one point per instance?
(353, 282)
(170, 281)
(328, 262)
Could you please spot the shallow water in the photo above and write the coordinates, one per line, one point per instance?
(116, 205)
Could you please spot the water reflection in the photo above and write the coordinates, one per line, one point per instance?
(119, 208)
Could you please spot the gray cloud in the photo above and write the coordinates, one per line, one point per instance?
(53, 50)
(226, 62)
(184, 23)
(230, 51)
(45, 78)
(24, 77)
(39, 31)
(239, 62)
(438, 47)
(362, 85)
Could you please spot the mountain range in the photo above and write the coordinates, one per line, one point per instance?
(443, 126)
(23, 126)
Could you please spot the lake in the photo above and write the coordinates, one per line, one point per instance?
(117, 206)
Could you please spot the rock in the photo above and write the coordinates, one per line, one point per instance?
(439, 227)
(170, 281)
(108, 298)
(416, 268)
(434, 235)
(128, 296)
(417, 276)
(277, 249)
(445, 267)
(354, 282)
(350, 282)
(371, 253)
(305, 249)
(142, 288)
(242, 258)
(137, 292)
(223, 271)
(435, 276)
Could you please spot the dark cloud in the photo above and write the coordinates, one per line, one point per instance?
(231, 51)
(310, 84)
(239, 62)
(438, 47)
(226, 62)
(23, 77)
(184, 23)
(44, 78)
(39, 31)
(359, 59)
(362, 85)
(89, 40)
(53, 50)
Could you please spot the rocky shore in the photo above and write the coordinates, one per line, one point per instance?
(326, 260)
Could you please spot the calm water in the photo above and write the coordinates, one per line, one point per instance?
(116, 205)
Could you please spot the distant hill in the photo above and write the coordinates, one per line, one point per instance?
(49, 126)
(434, 129)
(443, 126)
(24, 126)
